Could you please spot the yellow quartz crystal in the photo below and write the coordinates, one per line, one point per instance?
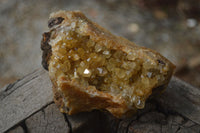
(92, 69)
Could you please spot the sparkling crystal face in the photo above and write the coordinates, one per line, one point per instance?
(109, 70)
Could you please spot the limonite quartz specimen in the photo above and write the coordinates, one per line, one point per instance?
(90, 68)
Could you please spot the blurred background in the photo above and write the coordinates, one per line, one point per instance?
(170, 27)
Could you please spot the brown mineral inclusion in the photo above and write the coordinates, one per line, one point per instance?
(90, 68)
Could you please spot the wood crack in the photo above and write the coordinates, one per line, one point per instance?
(40, 109)
(127, 130)
(24, 127)
(68, 122)
(11, 88)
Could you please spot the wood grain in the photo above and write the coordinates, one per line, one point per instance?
(181, 98)
(47, 120)
(23, 98)
(17, 129)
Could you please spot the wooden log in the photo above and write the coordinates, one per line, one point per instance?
(17, 129)
(181, 98)
(29, 102)
(23, 98)
(47, 120)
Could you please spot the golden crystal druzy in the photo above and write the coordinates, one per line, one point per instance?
(92, 69)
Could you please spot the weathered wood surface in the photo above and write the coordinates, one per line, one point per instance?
(27, 104)
(23, 98)
(47, 120)
(181, 98)
(18, 129)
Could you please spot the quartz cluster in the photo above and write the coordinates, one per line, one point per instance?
(92, 69)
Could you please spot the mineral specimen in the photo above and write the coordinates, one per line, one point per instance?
(90, 68)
